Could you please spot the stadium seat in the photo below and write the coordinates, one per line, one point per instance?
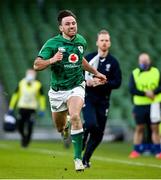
(134, 27)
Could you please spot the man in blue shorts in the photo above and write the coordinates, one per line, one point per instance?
(145, 87)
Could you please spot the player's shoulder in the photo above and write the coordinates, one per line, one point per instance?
(91, 55)
(80, 38)
(52, 40)
(22, 81)
(113, 59)
(38, 82)
(155, 68)
(136, 71)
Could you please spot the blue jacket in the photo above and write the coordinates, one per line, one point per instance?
(111, 68)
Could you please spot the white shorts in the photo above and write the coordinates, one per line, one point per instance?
(58, 99)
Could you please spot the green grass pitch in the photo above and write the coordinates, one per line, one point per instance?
(50, 160)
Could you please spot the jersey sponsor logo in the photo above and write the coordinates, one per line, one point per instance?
(71, 65)
(73, 58)
(108, 67)
(81, 49)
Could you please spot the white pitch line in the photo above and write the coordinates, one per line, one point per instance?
(46, 151)
(126, 162)
(99, 158)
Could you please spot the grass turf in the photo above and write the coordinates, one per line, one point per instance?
(50, 160)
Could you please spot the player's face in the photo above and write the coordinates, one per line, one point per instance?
(30, 75)
(144, 59)
(103, 42)
(68, 27)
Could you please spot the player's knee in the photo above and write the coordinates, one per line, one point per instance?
(76, 121)
(155, 128)
(155, 131)
(139, 129)
(75, 117)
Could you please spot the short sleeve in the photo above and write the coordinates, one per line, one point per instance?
(47, 51)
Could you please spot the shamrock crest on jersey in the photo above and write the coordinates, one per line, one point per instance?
(81, 49)
(73, 58)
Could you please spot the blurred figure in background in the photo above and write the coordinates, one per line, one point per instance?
(98, 94)
(27, 98)
(145, 87)
(160, 131)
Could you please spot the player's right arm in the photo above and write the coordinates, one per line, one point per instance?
(40, 63)
(48, 55)
(91, 69)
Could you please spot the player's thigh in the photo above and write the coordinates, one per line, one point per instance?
(56, 99)
(141, 114)
(75, 100)
(60, 119)
(155, 128)
(75, 104)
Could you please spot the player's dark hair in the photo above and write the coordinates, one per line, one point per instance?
(64, 13)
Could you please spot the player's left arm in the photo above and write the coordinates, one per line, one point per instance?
(89, 68)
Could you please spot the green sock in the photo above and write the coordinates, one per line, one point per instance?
(77, 140)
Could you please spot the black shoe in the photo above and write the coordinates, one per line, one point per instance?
(86, 164)
(24, 142)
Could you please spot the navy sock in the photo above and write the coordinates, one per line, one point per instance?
(138, 148)
(156, 148)
(147, 147)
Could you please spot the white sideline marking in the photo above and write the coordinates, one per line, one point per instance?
(126, 162)
(46, 151)
(99, 158)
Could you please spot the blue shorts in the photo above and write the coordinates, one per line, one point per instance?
(141, 114)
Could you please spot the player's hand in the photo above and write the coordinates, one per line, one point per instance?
(89, 82)
(150, 94)
(101, 76)
(97, 82)
(56, 58)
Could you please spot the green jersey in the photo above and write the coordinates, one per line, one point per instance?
(68, 73)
